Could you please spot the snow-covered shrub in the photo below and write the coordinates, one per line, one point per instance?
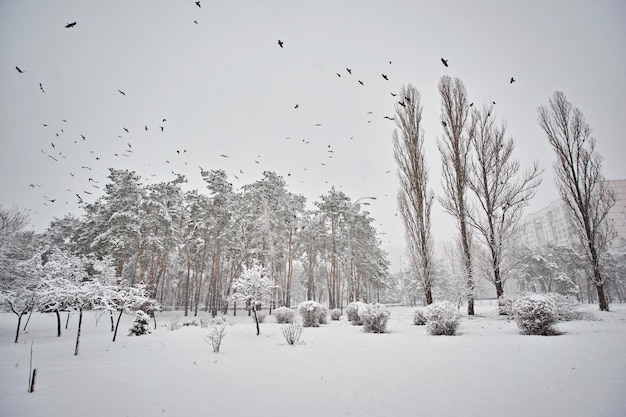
(189, 322)
(335, 314)
(505, 306)
(419, 318)
(311, 312)
(324, 315)
(216, 334)
(261, 316)
(284, 315)
(375, 317)
(442, 318)
(140, 325)
(353, 311)
(535, 314)
(292, 332)
(566, 307)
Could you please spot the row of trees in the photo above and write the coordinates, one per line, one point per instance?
(187, 247)
(485, 189)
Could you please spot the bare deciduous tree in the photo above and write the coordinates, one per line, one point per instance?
(578, 176)
(455, 148)
(415, 200)
(500, 189)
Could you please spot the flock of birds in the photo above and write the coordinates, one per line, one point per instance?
(56, 153)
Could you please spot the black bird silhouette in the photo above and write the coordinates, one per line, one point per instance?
(162, 128)
(401, 103)
(198, 3)
(280, 43)
(393, 94)
(164, 120)
(296, 106)
(385, 77)
(444, 124)
(512, 80)
(444, 62)
(471, 104)
(70, 25)
(389, 118)
(52, 143)
(121, 92)
(338, 75)
(349, 70)
(82, 136)
(146, 127)
(80, 200)
(195, 21)
(19, 70)
(361, 82)
(41, 87)
(126, 130)
(224, 156)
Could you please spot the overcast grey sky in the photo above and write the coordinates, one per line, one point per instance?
(226, 87)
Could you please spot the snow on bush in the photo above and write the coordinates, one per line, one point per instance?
(335, 314)
(536, 314)
(292, 332)
(419, 318)
(284, 315)
(311, 312)
(216, 334)
(324, 315)
(140, 325)
(375, 317)
(566, 307)
(353, 311)
(261, 316)
(442, 318)
(505, 306)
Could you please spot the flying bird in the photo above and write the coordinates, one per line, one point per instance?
(126, 130)
(349, 70)
(402, 104)
(296, 106)
(360, 82)
(338, 75)
(393, 94)
(70, 25)
(41, 88)
(162, 128)
(19, 70)
(224, 156)
(444, 62)
(385, 77)
(318, 124)
(82, 136)
(512, 80)
(388, 118)
(121, 92)
(198, 4)
(80, 200)
(146, 127)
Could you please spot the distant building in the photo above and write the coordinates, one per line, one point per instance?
(550, 225)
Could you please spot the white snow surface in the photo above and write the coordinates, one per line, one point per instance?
(489, 369)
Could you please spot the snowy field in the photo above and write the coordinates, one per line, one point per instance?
(488, 370)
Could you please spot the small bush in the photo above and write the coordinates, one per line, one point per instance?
(335, 314)
(284, 315)
(140, 325)
(505, 306)
(261, 316)
(188, 322)
(442, 319)
(566, 307)
(311, 312)
(353, 311)
(216, 334)
(419, 318)
(292, 332)
(375, 317)
(536, 314)
(324, 315)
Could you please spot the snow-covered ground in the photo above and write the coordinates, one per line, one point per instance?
(487, 370)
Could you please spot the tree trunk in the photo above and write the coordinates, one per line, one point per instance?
(19, 323)
(67, 321)
(604, 305)
(117, 324)
(58, 322)
(80, 323)
(256, 319)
